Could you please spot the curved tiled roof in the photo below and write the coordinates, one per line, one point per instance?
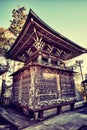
(34, 27)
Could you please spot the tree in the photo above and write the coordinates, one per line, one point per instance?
(6, 40)
(8, 36)
(19, 17)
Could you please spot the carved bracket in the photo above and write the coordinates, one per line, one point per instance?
(22, 58)
(39, 44)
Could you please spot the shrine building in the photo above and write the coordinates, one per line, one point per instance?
(44, 82)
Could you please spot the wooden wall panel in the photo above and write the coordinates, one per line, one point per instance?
(26, 83)
(17, 88)
(38, 84)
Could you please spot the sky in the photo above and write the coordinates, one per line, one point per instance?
(68, 17)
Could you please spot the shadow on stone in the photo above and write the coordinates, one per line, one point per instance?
(83, 111)
(83, 127)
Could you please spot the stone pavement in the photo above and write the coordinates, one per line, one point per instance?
(71, 120)
(16, 118)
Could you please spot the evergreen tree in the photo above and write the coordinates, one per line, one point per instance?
(6, 39)
(19, 17)
(8, 36)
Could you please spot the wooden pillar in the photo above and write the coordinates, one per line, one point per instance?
(39, 59)
(49, 61)
(58, 110)
(58, 63)
(40, 115)
(72, 106)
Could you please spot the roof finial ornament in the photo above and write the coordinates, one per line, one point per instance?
(32, 20)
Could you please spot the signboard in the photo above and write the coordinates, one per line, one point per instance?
(47, 87)
(67, 85)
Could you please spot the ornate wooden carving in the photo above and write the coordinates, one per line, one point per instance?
(39, 44)
(29, 51)
(22, 57)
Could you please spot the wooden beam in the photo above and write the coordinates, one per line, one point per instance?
(69, 49)
(24, 43)
(60, 39)
(21, 37)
